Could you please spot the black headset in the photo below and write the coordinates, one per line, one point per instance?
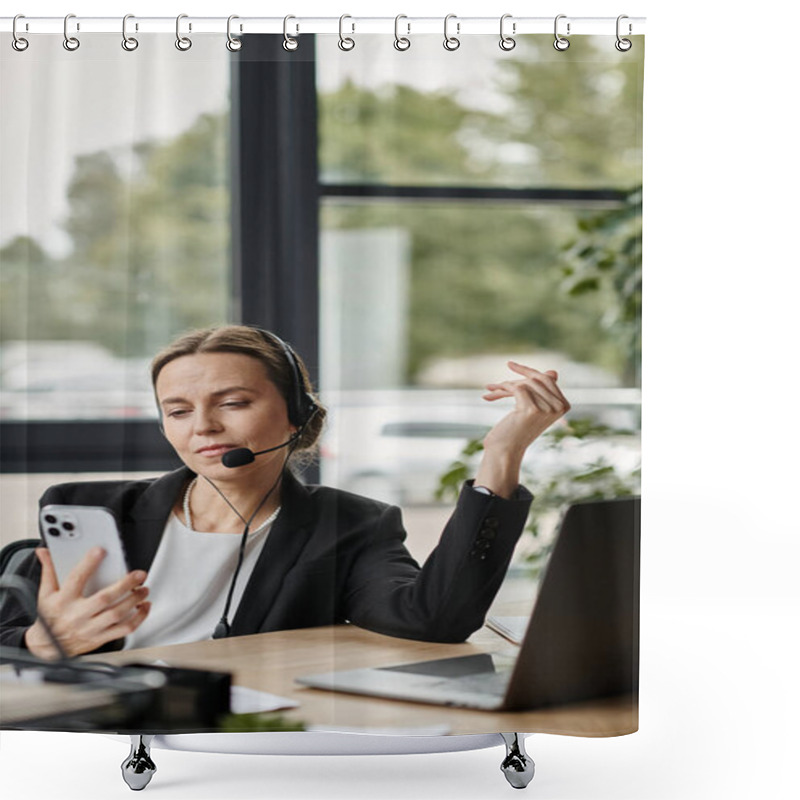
(300, 404)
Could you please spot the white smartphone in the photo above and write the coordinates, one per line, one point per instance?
(71, 531)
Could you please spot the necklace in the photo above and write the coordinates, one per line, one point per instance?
(188, 516)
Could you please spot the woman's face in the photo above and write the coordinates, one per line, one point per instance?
(215, 402)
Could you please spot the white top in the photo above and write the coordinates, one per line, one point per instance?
(189, 582)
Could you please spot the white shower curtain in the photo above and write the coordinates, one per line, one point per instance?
(451, 209)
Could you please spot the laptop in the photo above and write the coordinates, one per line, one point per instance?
(582, 640)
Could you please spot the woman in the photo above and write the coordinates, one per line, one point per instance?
(245, 547)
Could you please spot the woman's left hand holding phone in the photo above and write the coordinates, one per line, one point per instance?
(82, 624)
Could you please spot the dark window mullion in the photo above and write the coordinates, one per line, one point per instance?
(275, 227)
(548, 195)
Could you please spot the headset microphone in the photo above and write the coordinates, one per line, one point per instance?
(243, 455)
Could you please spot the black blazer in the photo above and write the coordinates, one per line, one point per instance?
(330, 557)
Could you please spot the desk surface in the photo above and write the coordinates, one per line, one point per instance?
(270, 661)
(21, 702)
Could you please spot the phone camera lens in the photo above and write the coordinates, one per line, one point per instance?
(50, 519)
(54, 531)
(68, 526)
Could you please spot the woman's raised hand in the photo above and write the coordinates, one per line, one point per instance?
(82, 624)
(538, 404)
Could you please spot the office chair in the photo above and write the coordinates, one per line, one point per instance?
(11, 557)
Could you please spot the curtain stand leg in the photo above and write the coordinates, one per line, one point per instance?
(517, 766)
(138, 768)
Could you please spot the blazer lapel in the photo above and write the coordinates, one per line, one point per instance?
(143, 525)
(283, 547)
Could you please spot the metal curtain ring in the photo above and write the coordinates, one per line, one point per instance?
(623, 45)
(18, 43)
(346, 43)
(233, 44)
(128, 42)
(507, 42)
(183, 43)
(290, 43)
(71, 43)
(560, 43)
(451, 42)
(401, 42)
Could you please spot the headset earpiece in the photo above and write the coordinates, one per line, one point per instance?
(300, 405)
(308, 409)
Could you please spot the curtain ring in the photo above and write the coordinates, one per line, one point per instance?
(128, 42)
(71, 43)
(451, 43)
(623, 45)
(346, 43)
(183, 43)
(233, 44)
(290, 43)
(560, 43)
(507, 43)
(18, 43)
(401, 42)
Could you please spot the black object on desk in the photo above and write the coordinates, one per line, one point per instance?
(133, 698)
(191, 701)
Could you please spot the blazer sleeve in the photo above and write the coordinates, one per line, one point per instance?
(447, 599)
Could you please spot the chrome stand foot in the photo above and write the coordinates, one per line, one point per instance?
(138, 768)
(517, 766)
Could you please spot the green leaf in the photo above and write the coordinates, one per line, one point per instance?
(594, 474)
(450, 482)
(583, 287)
(472, 447)
(258, 722)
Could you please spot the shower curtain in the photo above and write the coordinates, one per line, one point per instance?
(410, 216)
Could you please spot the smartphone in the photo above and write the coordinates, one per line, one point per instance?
(71, 531)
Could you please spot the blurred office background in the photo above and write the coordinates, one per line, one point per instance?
(436, 214)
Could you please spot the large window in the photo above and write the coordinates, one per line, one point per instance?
(475, 206)
(406, 224)
(115, 236)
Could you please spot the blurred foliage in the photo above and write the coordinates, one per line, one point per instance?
(395, 135)
(26, 285)
(606, 257)
(150, 248)
(483, 279)
(149, 225)
(592, 480)
(578, 111)
(486, 277)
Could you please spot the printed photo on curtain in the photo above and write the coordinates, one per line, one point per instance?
(320, 385)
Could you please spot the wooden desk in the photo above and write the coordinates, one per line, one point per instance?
(24, 703)
(270, 661)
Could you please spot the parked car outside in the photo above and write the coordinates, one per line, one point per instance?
(395, 445)
(117, 389)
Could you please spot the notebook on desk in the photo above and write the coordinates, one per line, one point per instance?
(582, 640)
